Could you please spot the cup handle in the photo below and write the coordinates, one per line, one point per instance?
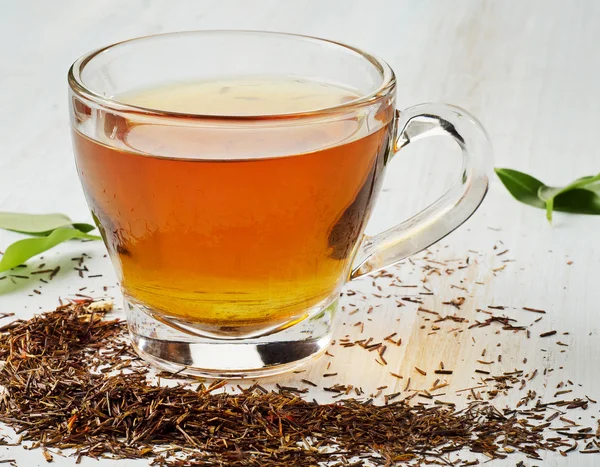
(450, 210)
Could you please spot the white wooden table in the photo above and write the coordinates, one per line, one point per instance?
(529, 70)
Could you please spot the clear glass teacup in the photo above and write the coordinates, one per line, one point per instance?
(232, 174)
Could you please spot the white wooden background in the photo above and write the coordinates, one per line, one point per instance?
(530, 70)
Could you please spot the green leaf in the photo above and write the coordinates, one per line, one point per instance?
(590, 183)
(580, 197)
(593, 187)
(547, 195)
(85, 228)
(20, 251)
(574, 204)
(523, 187)
(39, 224)
(578, 201)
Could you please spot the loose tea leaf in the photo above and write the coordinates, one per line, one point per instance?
(71, 381)
(579, 197)
(40, 224)
(21, 250)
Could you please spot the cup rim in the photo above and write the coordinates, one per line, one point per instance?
(388, 82)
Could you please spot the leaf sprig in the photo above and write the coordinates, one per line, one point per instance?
(47, 230)
(582, 196)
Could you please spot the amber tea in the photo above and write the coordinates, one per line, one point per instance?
(233, 228)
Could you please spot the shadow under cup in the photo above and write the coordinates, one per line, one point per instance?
(231, 175)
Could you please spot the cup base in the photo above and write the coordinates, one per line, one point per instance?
(176, 351)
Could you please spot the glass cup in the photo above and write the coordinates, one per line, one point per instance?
(232, 173)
